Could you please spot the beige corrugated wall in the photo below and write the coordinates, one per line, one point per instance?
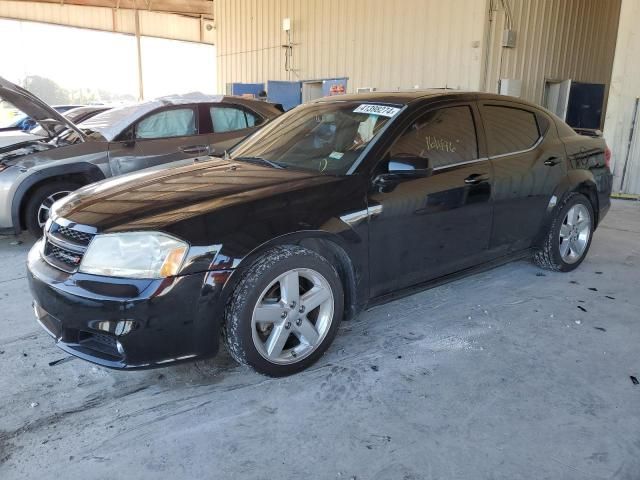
(430, 43)
(376, 43)
(625, 90)
(556, 39)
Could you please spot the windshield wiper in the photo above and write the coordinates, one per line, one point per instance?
(261, 160)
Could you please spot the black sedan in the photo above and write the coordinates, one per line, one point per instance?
(336, 206)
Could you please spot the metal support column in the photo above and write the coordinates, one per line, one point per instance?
(138, 50)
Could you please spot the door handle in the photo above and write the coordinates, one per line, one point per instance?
(476, 178)
(198, 149)
(552, 161)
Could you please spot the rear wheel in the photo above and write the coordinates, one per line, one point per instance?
(285, 312)
(569, 237)
(38, 207)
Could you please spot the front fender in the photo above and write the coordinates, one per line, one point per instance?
(89, 171)
(346, 248)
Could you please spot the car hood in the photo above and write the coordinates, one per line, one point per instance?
(14, 137)
(153, 199)
(50, 120)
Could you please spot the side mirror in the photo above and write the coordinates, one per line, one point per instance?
(128, 138)
(402, 168)
(410, 166)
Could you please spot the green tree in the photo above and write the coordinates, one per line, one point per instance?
(46, 89)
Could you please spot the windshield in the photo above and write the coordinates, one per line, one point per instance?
(322, 137)
(69, 137)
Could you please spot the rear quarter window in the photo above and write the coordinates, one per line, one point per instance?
(229, 119)
(509, 129)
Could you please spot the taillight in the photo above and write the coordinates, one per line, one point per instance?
(607, 157)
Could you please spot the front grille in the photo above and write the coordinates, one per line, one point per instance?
(61, 256)
(76, 236)
(65, 246)
(99, 342)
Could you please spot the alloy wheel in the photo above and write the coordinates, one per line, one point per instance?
(45, 206)
(292, 316)
(574, 233)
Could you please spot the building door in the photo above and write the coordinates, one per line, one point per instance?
(311, 91)
(556, 96)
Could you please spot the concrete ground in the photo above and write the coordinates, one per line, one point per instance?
(511, 374)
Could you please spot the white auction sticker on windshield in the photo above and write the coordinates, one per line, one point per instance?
(382, 110)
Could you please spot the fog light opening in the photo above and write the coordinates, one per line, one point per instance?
(119, 347)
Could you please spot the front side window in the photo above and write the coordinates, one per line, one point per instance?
(445, 136)
(229, 119)
(177, 122)
(324, 137)
(509, 129)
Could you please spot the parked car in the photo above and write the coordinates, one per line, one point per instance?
(36, 173)
(76, 115)
(335, 206)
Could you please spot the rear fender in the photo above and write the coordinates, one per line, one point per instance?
(581, 181)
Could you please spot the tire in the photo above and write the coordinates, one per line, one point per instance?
(557, 253)
(293, 335)
(42, 195)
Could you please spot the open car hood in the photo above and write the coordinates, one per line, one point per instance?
(47, 117)
(13, 137)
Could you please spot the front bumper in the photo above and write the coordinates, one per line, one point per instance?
(124, 323)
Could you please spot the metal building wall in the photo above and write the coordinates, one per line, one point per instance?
(622, 124)
(556, 39)
(376, 43)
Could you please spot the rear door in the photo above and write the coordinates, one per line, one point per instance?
(225, 124)
(164, 135)
(423, 228)
(528, 162)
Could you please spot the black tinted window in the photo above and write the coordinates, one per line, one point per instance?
(445, 136)
(509, 129)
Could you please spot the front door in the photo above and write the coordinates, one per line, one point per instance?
(423, 228)
(163, 136)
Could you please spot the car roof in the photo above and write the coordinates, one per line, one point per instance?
(398, 97)
(112, 122)
(409, 96)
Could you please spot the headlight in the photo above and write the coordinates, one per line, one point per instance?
(134, 255)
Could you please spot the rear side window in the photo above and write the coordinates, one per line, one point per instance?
(228, 119)
(509, 129)
(177, 122)
(445, 136)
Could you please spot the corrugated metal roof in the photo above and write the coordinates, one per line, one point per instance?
(191, 7)
(116, 16)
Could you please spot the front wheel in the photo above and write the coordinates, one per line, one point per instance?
(36, 212)
(569, 237)
(285, 312)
